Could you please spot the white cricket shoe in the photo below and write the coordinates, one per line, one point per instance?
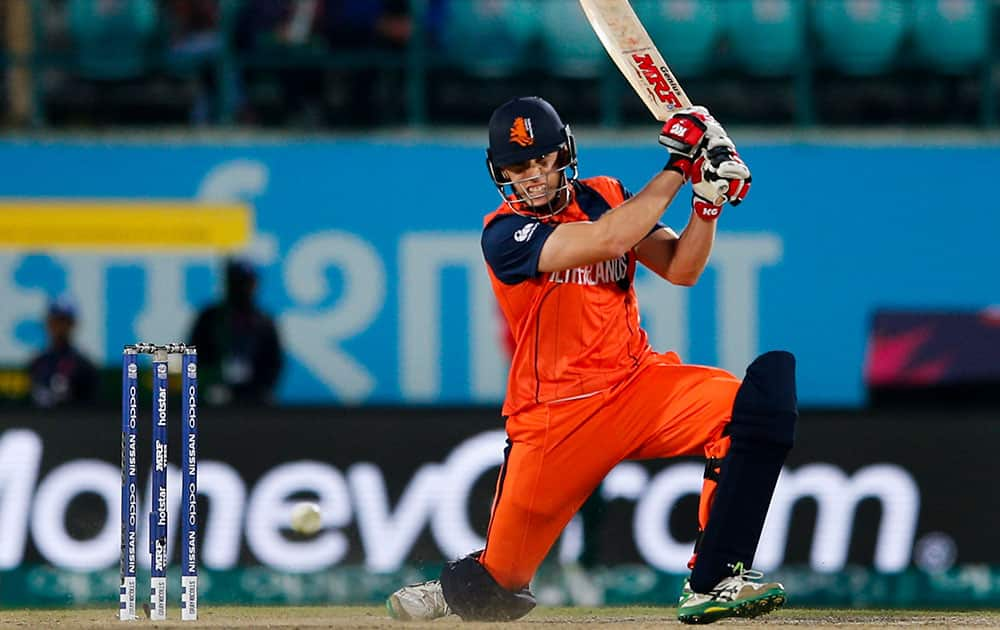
(734, 596)
(418, 602)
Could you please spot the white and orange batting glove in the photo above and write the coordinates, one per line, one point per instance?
(718, 175)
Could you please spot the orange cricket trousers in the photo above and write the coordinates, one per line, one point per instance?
(561, 451)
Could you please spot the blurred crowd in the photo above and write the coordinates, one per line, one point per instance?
(155, 61)
(340, 64)
(240, 355)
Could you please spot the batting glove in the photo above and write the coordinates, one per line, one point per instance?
(683, 135)
(719, 176)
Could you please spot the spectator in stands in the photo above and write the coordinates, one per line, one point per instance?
(283, 26)
(60, 374)
(385, 23)
(340, 24)
(194, 25)
(263, 22)
(239, 351)
(194, 40)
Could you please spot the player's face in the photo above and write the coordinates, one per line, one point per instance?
(536, 181)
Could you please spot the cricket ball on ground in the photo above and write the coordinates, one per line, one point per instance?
(306, 518)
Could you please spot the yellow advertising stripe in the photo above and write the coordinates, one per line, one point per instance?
(44, 224)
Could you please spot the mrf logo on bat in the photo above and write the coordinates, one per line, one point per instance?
(657, 79)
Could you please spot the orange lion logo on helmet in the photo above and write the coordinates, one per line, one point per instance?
(521, 132)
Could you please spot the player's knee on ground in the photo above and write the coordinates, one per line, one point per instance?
(473, 594)
(765, 409)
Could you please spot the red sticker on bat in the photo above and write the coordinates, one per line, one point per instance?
(655, 78)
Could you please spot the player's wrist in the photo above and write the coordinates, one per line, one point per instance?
(680, 164)
(705, 209)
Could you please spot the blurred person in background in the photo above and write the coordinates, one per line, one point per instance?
(378, 23)
(385, 26)
(586, 390)
(281, 28)
(239, 351)
(194, 41)
(324, 26)
(194, 23)
(60, 374)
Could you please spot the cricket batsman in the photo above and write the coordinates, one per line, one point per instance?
(585, 389)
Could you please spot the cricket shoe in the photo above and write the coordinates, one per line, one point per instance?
(734, 596)
(418, 602)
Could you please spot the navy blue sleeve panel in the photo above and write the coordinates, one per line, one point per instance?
(626, 193)
(594, 204)
(512, 245)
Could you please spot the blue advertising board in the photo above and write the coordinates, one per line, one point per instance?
(370, 262)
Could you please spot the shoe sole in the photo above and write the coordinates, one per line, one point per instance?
(748, 609)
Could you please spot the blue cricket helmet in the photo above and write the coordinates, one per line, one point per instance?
(526, 128)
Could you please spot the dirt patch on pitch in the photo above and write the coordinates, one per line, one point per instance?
(365, 618)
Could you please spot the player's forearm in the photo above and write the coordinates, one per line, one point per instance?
(692, 252)
(621, 228)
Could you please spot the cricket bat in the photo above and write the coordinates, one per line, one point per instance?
(635, 54)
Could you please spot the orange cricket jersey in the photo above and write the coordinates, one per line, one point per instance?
(576, 331)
